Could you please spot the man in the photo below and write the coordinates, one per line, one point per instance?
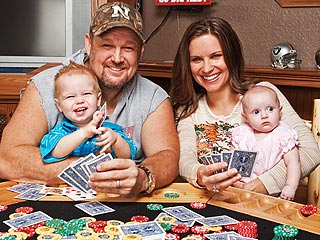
(113, 49)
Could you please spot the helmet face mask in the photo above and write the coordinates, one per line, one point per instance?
(283, 55)
(318, 58)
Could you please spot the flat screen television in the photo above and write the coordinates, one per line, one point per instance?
(35, 32)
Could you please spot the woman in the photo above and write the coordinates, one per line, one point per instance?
(206, 91)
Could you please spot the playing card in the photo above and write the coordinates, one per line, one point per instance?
(91, 166)
(203, 160)
(103, 109)
(27, 220)
(221, 236)
(148, 230)
(243, 161)
(239, 237)
(81, 184)
(66, 178)
(22, 187)
(215, 158)
(182, 213)
(217, 220)
(77, 195)
(32, 194)
(94, 208)
(226, 157)
(77, 166)
(52, 190)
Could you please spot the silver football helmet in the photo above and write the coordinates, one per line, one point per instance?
(283, 55)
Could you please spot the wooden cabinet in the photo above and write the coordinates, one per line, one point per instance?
(96, 3)
(6, 111)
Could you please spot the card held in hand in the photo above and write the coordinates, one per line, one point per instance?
(243, 161)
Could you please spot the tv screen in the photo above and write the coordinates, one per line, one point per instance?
(34, 32)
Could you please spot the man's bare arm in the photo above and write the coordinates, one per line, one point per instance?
(20, 158)
(161, 145)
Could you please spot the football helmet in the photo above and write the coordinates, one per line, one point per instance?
(283, 55)
(318, 58)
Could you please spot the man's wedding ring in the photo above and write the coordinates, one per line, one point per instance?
(118, 183)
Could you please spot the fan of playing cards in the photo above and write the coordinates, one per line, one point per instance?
(243, 161)
(77, 174)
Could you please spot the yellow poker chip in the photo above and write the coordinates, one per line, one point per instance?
(23, 234)
(167, 219)
(213, 228)
(132, 237)
(16, 215)
(190, 238)
(113, 230)
(12, 235)
(44, 230)
(131, 222)
(105, 236)
(114, 223)
(86, 235)
(50, 236)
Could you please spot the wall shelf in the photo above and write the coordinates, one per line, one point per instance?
(298, 3)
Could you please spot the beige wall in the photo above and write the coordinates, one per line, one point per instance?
(260, 24)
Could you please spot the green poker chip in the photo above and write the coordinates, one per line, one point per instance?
(55, 223)
(171, 195)
(286, 232)
(154, 206)
(166, 226)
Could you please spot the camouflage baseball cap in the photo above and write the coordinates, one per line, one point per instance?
(116, 14)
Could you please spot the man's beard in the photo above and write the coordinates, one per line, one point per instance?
(105, 82)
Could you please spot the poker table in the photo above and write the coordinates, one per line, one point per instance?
(268, 212)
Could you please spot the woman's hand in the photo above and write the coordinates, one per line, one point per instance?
(213, 181)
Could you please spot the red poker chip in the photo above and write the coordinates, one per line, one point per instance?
(99, 230)
(40, 224)
(97, 224)
(198, 205)
(171, 236)
(24, 209)
(139, 218)
(199, 229)
(180, 228)
(28, 230)
(247, 225)
(3, 208)
(308, 209)
(232, 227)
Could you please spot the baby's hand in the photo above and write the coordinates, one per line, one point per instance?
(288, 193)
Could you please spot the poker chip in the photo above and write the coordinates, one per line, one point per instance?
(51, 236)
(199, 229)
(97, 224)
(213, 228)
(3, 208)
(171, 195)
(285, 232)
(23, 234)
(231, 227)
(190, 238)
(16, 215)
(55, 222)
(88, 219)
(139, 218)
(248, 229)
(155, 206)
(167, 219)
(12, 236)
(171, 236)
(197, 236)
(308, 209)
(44, 230)
(166, 226)
(114, 222)
(24, 209)
(113, 230)
(29, 231)
(180, 228)
(86, 235)
(132, 237)
(198, 205)
(105, 236)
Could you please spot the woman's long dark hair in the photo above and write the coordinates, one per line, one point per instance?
(184, 90)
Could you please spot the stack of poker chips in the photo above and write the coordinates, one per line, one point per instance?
(285, 232)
